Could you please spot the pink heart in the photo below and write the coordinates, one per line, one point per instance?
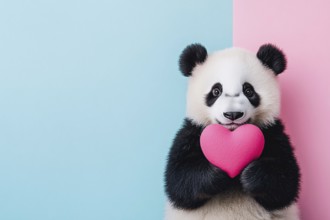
(232, 151)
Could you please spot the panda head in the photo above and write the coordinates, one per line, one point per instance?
(233, 86)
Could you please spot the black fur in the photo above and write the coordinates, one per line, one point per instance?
(274, 179)
(190, 180)
(253, 99)
(210, 98)
(191, 56)
(272, 57)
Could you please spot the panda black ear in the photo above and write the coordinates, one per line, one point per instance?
(191, 56)
(272, 57)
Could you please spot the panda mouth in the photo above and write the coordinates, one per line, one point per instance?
(232, 125)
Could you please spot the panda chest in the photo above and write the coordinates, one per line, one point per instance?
(233, 205)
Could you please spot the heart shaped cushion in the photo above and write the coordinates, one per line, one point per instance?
(232, 151)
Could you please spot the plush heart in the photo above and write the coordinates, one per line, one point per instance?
(232, 151)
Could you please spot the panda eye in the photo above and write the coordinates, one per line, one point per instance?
(248, 92)
(216, 92)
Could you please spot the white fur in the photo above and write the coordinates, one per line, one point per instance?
(232, 67)
(231, 207)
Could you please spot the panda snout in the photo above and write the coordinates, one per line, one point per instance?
(233, 115)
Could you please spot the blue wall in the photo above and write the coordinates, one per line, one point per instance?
(90, 100)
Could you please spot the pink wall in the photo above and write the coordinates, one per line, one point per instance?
(302, 29)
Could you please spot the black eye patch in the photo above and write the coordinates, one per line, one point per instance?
(213, 94)
(251, 94)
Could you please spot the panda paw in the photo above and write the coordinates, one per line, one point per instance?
(272, 184)
(254, 178)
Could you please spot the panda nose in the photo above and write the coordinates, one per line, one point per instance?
(233, 115)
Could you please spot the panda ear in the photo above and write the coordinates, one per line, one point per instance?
(191, 56)
(272, 57)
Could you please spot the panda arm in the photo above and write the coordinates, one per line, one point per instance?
(273, 179)
(190, 180)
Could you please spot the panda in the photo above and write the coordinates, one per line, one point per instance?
(232, 87)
